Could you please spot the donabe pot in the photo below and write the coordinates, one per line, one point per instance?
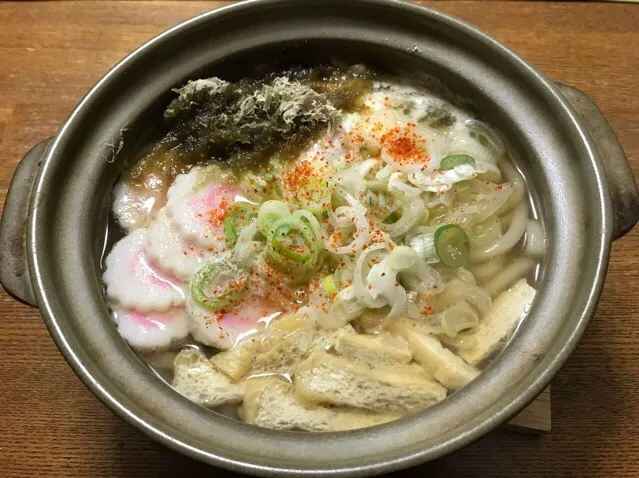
(52, 228)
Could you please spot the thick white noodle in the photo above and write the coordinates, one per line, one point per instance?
(457, 290)
(506, 219)
(508, 276)
(491, 172)
(492, 205)
(465, 275)
(487, 270)
(517, 181)
(535, 239)
(508, 240)
(489, 134)
(467, 145)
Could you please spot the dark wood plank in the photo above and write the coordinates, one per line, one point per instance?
(51, 53)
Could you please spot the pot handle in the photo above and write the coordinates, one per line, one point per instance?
(14, 269)
(621, 180)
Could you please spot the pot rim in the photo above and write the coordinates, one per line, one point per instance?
(526, 391)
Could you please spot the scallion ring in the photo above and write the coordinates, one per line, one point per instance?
(329, 286)
(292, 246)
(392, 218)
(453, 160)
(269, 213)
(217, 284)
(452, 245)
(309, 218)
(236, 218)
(293, 239)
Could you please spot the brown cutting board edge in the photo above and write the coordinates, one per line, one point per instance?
(535, 418)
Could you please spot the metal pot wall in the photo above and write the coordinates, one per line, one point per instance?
(52, 228)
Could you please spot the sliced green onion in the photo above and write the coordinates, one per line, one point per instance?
(310, 219)
(236, 218)
(402, 258)
(392, 218)
(453, 160)
(284, 241)
(424, 246)
(291, 241)
(364, 152)
(330, 288)
(452, 245)
(217, 284)
(269, 213)
(256, 182)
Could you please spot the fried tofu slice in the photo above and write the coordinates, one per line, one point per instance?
(271, 403)
(500, 322)
(197, 379)
(327, 379)
(443, 365)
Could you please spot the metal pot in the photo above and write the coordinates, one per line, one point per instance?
(52, 227)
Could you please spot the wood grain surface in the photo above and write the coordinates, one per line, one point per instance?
(51, 53)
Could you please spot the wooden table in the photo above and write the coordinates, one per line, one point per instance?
(50, 425)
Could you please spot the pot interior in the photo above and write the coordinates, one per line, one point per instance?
(123, 114)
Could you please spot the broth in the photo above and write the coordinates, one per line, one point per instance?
(322, 249)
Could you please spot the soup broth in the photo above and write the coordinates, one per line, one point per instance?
(321, 249)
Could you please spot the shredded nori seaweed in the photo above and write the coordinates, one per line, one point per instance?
(245, 123)
(225, 120)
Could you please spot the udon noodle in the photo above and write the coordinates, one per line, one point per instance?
(322, 249)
